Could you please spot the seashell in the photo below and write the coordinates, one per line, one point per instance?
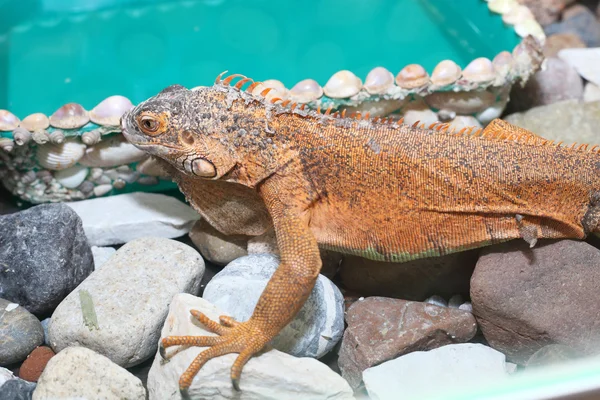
(517, 14)
(57, 137)
(86, 187)
(8, 121)
(150, 167)
(124, 169)
(43, 173)
(7, 144)
(502, 6)
(56, 157)
(306, 91)
(96, 173)
(119, 184)
(72, 177)
(112, 152)
(412, 76)
(530, 27)
(69, 116)
(35, 122)
(278, 89)
(379, 80)
(445, 73)
(21, 136)
(502, 63)
(91, 137)
(28, 177)
(464, 121)
(479, 70)
(129, 177)
(101, 190)
(110, 111)
(148, 180)
(40, 137)
(465, 103)
(342, 84)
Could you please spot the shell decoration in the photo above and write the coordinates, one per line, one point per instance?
(110, 111)
(69, 116)
(56, 157)
(112, 152)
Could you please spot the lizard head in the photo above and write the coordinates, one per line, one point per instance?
(181, 127)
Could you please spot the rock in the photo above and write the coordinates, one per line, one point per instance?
(583, 23)
(559, 41)
(216, 247)
(316, 329)
(426, 374)
(119, 310)
(573, 10)
(552, 354)
(436, 300)
(591, 92)
(525, 299)
(34, 365)
(45, 323)
(558, 81)
(381, 329)
(568, 121)
(412, 280)
(78, 372)
(17, 389)
(546, 11)
(20, 333)
(5, 375)
(125, 217)
(101, 255)
(455, 301)
(270, 375)
(585, 62)
(44, 255)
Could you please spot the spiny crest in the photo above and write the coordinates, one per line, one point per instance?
(496, 129)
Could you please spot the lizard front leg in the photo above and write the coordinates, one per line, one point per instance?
(284, 295)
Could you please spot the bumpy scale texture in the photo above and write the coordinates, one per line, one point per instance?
(385, 191)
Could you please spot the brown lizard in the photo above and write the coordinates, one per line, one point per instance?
(365, 186)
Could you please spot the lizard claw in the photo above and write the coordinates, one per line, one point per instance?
(162, 351)
(245, 338)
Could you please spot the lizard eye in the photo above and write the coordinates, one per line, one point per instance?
(151, 125)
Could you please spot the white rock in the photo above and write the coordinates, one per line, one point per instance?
(101, 255)
(270, 375)
(318, 326)
(591, 92)
(80, 373)
(5, 375)
(216, 247)
(130, 296)
(425, 374)
(585, 61)
(71, 177)
(119, 219)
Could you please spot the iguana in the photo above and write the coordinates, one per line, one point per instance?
(365, 186)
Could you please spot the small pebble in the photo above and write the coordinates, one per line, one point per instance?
(437, 300)
(34, 365)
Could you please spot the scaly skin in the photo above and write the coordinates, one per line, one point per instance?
(378, 190)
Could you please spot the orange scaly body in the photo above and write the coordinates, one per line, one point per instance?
(384, 191)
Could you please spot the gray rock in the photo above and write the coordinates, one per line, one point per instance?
(270, 374)
(426, 374)
(20, 333)
(17, 389)
(317, 327)
(5, 375)
(585, 61)
(437, 300)
(80, 373)
(45, 323)
(125, 217)
(44, 255)
(583, 23)
(119, 310)
(216, 247)
(101, 255)
(568, 121)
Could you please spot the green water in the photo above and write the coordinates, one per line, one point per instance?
(58, 51)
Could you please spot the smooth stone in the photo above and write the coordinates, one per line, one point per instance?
(568, 121)
(17, 389)
(518, 317)
(465, 103)
(559, 41)
(47, 253)
(426, 374)
(125, 217)
(45, 323)
(216, 247)
(418, 111)
(585, 62)
(20, 332)
(269, 375)
(102, 255)
(382, 329)
(315, 330)
(591, 92)
(546, 11)
(557, 82)
(5, 375)
(72, 177)
(80, 373)
(34, 365)
(584, 24)
(552, 354)
(130, 297)
(436, 300)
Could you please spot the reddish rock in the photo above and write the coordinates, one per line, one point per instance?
(412, 280)
(34, 365)
(525, 299)
(559, 41)
(382, 329)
